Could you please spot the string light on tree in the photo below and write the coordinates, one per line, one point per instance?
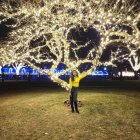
(40, 30)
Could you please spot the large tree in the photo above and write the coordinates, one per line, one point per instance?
(47, 33)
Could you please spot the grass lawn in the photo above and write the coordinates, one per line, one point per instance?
(40, 114)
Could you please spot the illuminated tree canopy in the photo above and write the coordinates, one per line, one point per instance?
(43, 32)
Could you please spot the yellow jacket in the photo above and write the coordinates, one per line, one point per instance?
(76, 81)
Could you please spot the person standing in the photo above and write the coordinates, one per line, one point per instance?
(73, 85)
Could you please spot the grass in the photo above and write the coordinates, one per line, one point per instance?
(40, 114)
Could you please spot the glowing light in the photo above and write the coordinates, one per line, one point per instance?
(0, 69)
(40, 32)
(100, 73)
(18, 67)
(127, 74)
(25, 71)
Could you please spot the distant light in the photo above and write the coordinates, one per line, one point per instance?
(105, 68)
(25, 71)
(101, 73)
(127, 74)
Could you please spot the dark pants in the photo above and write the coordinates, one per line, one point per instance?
(73, 98)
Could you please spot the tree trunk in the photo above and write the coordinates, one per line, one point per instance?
(2, 75)
(121, 76)
(136, 75)
(29, 76)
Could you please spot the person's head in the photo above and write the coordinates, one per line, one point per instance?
(74, 73)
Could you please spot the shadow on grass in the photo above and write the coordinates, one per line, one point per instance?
(106, 85)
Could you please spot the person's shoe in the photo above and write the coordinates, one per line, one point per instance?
(72, 111)
(77, 111)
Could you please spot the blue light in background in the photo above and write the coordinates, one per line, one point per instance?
(26, 71)
(99, 72)
(105, 68)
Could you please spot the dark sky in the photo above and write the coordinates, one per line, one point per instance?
(4, 30)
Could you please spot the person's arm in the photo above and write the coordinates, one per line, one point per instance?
(89, 71)
(70, 85)
(84, 74)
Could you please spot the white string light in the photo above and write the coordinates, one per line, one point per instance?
(56, 19)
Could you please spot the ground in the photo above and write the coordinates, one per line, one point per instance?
(40, 114)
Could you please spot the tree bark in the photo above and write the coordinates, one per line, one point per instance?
(136, 75)
(2, 75)
(29, 76)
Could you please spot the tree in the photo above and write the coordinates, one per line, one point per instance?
(123, 54)
(45, 32)
(18, 67)
(134, 61)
